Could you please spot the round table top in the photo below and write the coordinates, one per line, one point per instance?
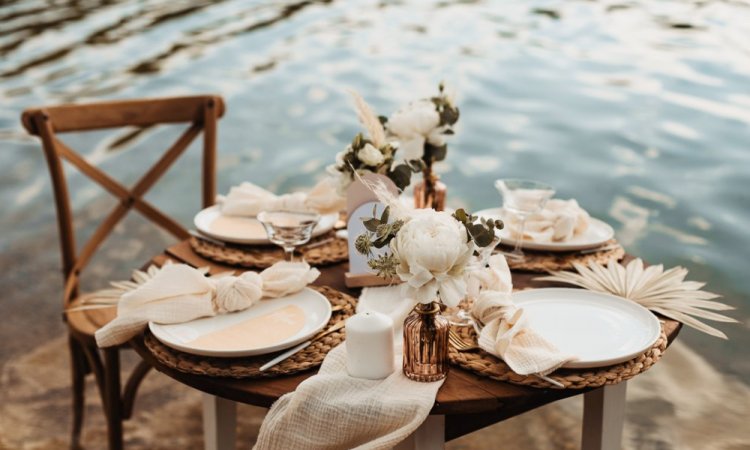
(462, 393)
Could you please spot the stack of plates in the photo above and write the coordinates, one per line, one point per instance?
(266, 327)
(245, 230)
(600, 329)
(595, 235)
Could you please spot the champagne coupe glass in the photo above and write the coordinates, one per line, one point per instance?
(288, 229)
(458, 316)
(522, 198)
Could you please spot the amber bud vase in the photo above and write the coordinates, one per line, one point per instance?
(426, 343)
(430, 194)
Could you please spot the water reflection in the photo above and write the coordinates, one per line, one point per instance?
(637, 108)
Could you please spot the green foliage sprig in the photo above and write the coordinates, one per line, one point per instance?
(449, 115)
(479, 229)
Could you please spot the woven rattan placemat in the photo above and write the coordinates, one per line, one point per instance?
(322, 250)
(482, 363)
(248, 367)
(541, 261)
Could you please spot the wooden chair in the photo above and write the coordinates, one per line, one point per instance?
(202, 114)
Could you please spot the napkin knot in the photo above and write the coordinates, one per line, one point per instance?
(179, 293)
(249, 200)
(237, 293)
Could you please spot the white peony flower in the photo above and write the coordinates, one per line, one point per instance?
(371, 156)
(433, 253)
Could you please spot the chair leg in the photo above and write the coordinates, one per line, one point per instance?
(131, 388)
(113, 403)
(78, 374)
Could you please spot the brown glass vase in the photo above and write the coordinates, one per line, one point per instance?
(430, 195)
(426, 343)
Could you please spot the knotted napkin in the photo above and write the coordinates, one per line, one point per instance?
(505, 331)
(179, 293)
(248, 199)
(332, 410)
(558, 221)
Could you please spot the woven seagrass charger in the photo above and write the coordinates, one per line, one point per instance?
(482, 363)
(249, 367)
(541, 261)
(322, 250)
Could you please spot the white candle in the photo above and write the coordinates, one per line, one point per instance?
(369, 345)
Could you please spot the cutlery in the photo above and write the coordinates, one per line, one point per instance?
(335, 327)
(316, 244)
(196, 234)
(600, 249)
(462, 346)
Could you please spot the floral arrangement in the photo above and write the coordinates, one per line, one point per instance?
(429, 250)
(420, 128)
(372, 153)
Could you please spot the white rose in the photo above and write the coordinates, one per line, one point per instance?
(371, 156)
(415, 119)
(433, 253)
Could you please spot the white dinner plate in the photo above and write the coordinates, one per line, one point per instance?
(600, 329)
(597, 233)
(245, 230)
(268, 326)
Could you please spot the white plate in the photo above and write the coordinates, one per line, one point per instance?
(245, 230)
(600, 329)
(595, 235)
(314, 307)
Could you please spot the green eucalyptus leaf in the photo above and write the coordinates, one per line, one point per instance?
(384, 216)
(371, 224)
(435, 152)
(401, 176)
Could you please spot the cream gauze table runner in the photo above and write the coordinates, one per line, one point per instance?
(332, 410)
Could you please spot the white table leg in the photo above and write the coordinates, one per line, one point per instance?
(429, 436)
(219, 423)
(603, 417)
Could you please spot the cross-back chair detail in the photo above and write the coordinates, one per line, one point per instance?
(201, 114)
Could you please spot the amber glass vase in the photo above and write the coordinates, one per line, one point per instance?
(426, 343)
(430, 195)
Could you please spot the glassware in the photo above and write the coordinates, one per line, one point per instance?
(426, 343)
(430, 195)
(288, 229)
(523, 198)
(458, 316)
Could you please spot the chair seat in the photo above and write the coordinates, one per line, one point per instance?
(86, 322)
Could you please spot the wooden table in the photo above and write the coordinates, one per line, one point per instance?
(465, 403)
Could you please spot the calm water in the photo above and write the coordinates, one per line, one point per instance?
(640, 110)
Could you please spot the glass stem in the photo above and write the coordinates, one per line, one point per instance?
(517, 248)
(289, 253)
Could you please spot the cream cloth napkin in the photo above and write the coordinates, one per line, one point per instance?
(248, 199)
(179, 293)
(559, 221)
(332, 410)
(505, 331)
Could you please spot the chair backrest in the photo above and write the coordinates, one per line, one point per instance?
(200, 112)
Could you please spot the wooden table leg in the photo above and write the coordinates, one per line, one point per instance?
(429, 436)
(603, 417)
(219, 423)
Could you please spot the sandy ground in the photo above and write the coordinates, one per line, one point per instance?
(680, 404)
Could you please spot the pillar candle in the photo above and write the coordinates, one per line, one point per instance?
(369, 345)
